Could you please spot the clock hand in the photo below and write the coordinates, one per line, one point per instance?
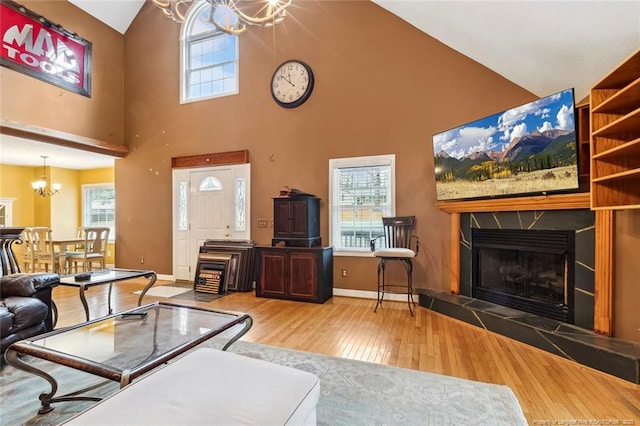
(287, 79)
(290, 82)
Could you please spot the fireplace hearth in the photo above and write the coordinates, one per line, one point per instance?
(528, 270)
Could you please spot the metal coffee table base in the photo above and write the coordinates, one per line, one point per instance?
(109, 276)
(160, 353)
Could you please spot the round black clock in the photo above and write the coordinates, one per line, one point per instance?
(292, 83)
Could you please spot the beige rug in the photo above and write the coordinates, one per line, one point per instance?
(164, 291)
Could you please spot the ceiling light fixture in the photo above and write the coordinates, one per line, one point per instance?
(227, 15)
(40, 187)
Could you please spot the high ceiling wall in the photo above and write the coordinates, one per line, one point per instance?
(381, 87)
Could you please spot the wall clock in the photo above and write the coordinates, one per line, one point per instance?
(292, 83)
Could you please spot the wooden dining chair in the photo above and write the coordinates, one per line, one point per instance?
(95, 248)
(43, 250)
(396, 244)
(28, 255)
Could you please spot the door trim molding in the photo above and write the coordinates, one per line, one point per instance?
(210, 160)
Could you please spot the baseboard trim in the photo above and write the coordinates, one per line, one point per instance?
(159, 276)
(363, 294)
(165, 277)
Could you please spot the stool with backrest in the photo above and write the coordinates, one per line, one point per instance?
(396, 244)
(42, 245)
(95, 246)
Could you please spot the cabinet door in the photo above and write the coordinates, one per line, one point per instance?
(299, 220)
(303, 274)
(272, 273)
(281, 218)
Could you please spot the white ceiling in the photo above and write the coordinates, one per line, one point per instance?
(27, 152)
(544, 46)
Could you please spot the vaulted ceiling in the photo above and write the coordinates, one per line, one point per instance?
(543, 46)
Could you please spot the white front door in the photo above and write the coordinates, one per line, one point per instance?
(208, 204)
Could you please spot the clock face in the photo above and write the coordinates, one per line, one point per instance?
(292, 84)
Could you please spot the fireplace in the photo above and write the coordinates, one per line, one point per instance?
(528, 270)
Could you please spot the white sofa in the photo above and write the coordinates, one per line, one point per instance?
(209, 386)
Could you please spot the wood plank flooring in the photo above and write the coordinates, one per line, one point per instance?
(548, 387)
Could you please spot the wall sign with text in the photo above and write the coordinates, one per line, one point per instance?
(33, 45)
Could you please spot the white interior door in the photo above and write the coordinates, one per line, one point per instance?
(211, 207)
(208, 204)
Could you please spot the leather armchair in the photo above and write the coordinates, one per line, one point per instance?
(26, 306)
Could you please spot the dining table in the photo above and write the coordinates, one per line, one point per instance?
(61, 247)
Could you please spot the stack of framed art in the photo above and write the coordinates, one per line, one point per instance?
(224, 266)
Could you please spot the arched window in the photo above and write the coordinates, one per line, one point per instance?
(210, 184)
(209, 65)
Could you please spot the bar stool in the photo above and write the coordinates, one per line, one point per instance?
(396, 245)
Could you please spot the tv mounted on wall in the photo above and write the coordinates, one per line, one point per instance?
(526, 150)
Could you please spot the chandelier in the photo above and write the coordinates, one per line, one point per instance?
(227, 15)
(40, 187)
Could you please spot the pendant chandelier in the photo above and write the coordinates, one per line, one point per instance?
(231, 16)
(41, 187)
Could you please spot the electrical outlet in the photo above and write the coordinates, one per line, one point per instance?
(142, 260)
(344, 273)
(262, 223)
(271, 224)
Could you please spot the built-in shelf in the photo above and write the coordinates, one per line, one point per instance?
(628, 148)
(615, 138)
(622, 101)
(627, 174)
(624, 128)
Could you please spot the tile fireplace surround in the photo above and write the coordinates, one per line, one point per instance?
(577, 341)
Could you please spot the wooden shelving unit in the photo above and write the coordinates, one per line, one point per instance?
(584, 145)
(615, 138)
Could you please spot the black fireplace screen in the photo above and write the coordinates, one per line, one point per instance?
(525, 269)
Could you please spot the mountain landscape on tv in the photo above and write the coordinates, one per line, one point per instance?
(499, 155)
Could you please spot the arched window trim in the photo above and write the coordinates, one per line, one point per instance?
(186, 38)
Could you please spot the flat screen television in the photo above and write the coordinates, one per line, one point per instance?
(526, 150)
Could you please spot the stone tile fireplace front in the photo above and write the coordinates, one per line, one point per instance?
(551, 243)
(575, 339)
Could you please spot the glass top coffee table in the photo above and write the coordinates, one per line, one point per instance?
(126, 345)
(107, 276)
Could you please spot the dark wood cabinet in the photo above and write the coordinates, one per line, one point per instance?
(296, 221)
(295, 273)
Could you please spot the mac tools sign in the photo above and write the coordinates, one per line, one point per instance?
(33, 45)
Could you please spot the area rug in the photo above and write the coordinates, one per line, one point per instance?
(164, 291)
(352, 393)
(197, 296)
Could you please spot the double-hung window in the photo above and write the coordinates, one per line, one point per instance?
(209, 57)
(99, 207)
(361, 193)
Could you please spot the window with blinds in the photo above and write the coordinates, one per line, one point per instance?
(99, 207)
(362, 192)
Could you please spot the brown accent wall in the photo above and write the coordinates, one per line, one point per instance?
(381, 87)
(25, 99)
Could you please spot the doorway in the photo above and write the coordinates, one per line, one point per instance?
(211, 203)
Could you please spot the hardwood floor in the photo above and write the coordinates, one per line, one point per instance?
(548, 387)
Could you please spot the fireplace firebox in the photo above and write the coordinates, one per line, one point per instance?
(528, 270)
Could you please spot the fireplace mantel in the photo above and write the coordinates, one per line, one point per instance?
(604, 232)
(538, 202)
